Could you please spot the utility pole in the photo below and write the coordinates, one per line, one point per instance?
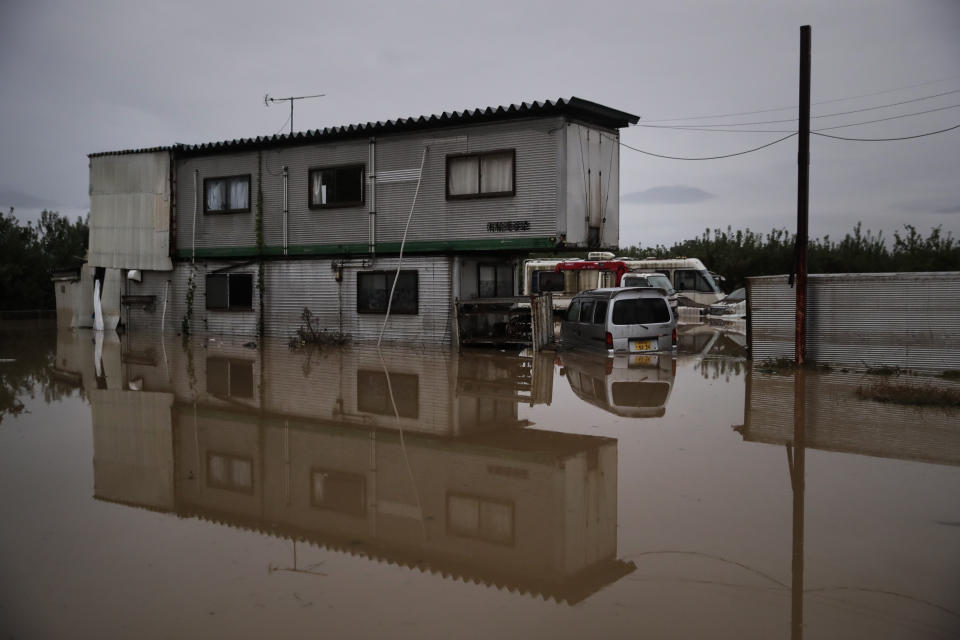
(267, 100)
(803, 195)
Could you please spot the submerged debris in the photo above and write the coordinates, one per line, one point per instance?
(786, 366)
(915, 394)
(310, 334)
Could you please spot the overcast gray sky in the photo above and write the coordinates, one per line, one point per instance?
(79, 77)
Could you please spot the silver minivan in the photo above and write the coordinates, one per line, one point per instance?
(634, 321)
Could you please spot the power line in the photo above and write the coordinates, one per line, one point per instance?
(729, 155)
(905, 115)
(750, 113)
(825, 115)
(921, 135)
(839, 126)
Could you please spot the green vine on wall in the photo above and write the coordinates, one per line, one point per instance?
(260, 245)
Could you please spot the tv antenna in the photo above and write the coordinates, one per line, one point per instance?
(267, 100)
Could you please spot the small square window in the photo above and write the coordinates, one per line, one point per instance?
(230, 194)
(373, 292)
(336, 187)
(230, 291)
(338, 491)
(373, 393)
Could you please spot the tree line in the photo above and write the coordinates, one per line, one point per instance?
(739, 254)
(29, 253)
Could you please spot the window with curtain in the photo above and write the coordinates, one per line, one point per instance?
(230, 194)
(336, 187)
(485, 519)
(481, 175)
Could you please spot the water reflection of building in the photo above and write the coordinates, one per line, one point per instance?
(417, 459)
(636, 386)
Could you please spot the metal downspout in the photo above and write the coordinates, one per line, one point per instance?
(286, 208)
(193, 234)
(372, 199)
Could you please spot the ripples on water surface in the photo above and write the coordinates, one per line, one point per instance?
(157, 489)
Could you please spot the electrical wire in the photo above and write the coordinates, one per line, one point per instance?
(921, 135)
(729, 155)
(750, 113)
(825, 115)
(839, 126)
(283, 126)
(905, 115)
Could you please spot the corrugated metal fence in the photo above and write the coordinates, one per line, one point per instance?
(908, 320)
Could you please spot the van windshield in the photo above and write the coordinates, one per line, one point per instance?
(640, 311)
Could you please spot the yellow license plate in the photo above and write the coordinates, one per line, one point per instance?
(640, 345)
(640, 361)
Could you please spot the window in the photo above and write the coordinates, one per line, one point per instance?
(233, 473)
(336, 187)
(228, 378)
(573, 311)
(586, 311)
(373, 291)
(230, 291)
(640, 311)
(230, 194)
(494, 280)
(600, 313)
(547, 281)
(481, 175)
(692, 280)
(373, 393)
(481, 518)
(338, 491)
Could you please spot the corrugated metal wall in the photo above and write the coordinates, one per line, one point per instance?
(537, 200)
(592, 184)
(130, 211)
(909, 320)
(292, 285)
(295, 284)
(220, 229)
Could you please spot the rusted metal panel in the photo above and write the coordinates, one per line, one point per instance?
(909, 320)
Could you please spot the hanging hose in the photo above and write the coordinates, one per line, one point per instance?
(403, 242)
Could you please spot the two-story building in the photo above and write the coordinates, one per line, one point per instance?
(239, 237)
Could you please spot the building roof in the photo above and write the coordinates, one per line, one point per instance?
(576, 108)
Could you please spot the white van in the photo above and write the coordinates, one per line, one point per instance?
(691, 280)
(651, 279)
(634, 321)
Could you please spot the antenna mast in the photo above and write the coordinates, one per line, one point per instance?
(267, 100)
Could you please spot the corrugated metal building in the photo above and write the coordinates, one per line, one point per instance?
(238, 236)
(907, 320)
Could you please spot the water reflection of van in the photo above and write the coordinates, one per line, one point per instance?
(633, 386)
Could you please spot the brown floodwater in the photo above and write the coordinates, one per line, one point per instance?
(161, 488)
